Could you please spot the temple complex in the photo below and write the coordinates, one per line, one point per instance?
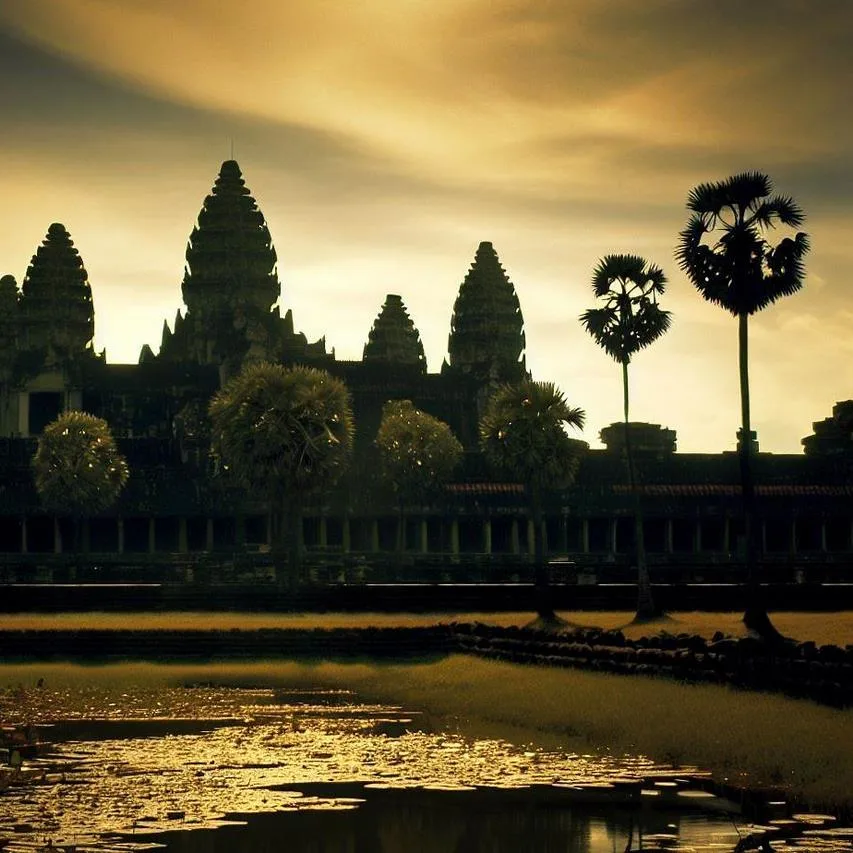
(176, 505)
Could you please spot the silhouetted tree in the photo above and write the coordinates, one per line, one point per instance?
(286, 433)
(417, 454)
(78, 469)
(725, 254)
(522, 434)
(629, 320)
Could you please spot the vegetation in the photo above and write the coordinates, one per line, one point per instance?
(821, 628)
(417, 454)
(522, 434)
(77, 467)
(285, 433)
(752, 739)
(629, 320)
(726, 255)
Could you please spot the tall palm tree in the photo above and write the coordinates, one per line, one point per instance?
(628, 321)
(724, 252)
(522, 434)
(285, 433)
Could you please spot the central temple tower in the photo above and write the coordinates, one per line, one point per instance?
(230, 285)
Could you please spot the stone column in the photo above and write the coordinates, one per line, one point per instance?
(585, 535)
(120, 532)
(668, 544)
(697, 536)
(345, 535)
(823, 535)
(208, 535)
(531, 537)
(424, 537)
(183, 545)
(23, 535)
(323, 532)
(564, 534)
(487, 536)
(24, 414)
(611, 531)
(515, 545)
(152, 534)
(543, 532)
(454, 537)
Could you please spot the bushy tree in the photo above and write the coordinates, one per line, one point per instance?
(78, 469)
(523, 435)
(725, 252)
(629, 320)
(417, 454)
(285, 433)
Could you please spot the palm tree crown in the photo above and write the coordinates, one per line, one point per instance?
(630, 318)
(741, 271)
(278, 426)
(522, 433)
(78, 468)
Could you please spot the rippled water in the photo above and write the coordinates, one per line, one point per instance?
(246, 769)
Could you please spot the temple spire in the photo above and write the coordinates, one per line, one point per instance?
(487, 328)
(231, 261)
(394, 338)
(9, 322)
(57, 315)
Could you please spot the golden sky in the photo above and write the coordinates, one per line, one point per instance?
(384, 140)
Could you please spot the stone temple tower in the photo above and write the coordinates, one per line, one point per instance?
(394, 340)
(57, 318)
(487, 329)
(230, 280)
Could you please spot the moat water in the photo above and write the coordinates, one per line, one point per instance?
(210, 768)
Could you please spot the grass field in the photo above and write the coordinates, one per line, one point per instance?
(821, 628)
(750, 738)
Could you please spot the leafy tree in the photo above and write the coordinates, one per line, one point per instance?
(285, 433)
(522, 434)
(78, 468)
(629, 320)
(725, 253)
(417, 453)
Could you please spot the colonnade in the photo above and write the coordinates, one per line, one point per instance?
(496, 534)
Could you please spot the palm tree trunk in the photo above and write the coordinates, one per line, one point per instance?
(755, 616)
(645, 601)
(295, 551)
(278, 512)
(542, 592)
(401, 531)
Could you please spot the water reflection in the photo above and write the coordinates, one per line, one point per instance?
(210, 768)
(415, 825)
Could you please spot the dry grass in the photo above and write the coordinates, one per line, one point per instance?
(756, 739)
(836, 627)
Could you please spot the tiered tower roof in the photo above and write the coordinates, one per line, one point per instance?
(231, 261)
(487, 328)
(394, 338)
(57, 314)
(8, 321)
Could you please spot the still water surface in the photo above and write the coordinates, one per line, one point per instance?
(209, 768)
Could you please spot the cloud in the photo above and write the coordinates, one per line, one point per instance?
(384, 140)
(455, 87)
